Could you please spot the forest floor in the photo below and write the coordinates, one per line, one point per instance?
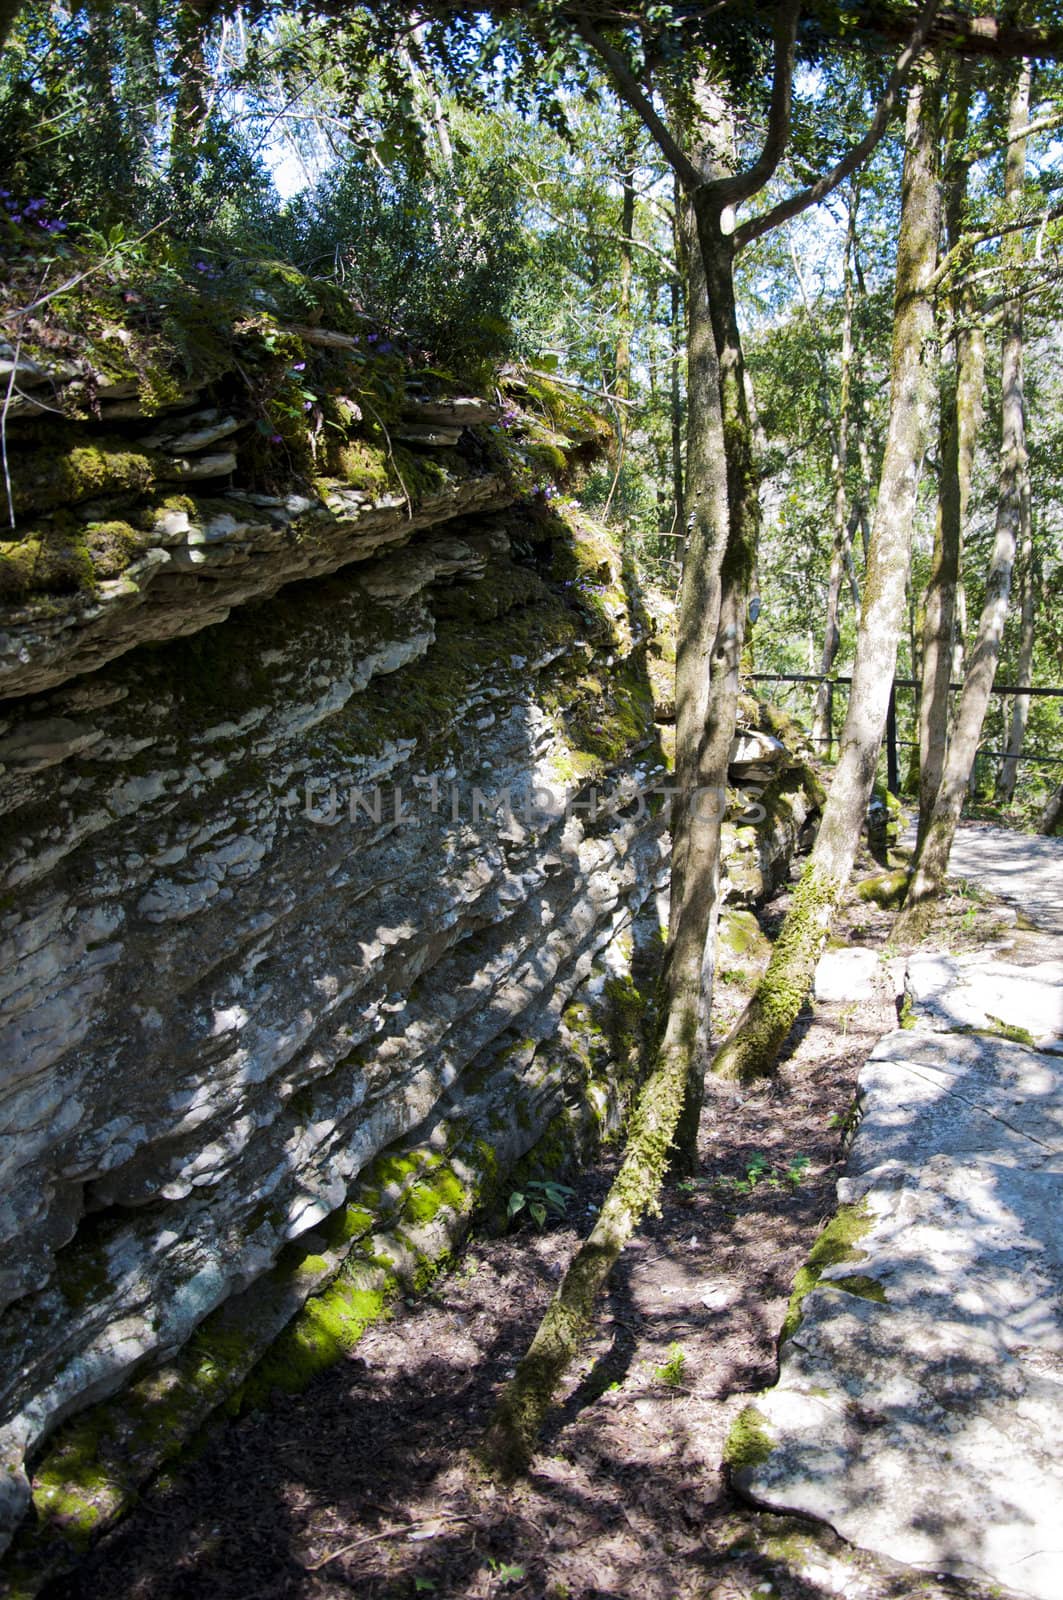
(367, 1485)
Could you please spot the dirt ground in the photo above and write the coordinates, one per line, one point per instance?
(366, 1484)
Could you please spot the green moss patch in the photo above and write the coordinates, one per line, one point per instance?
(885, 889)
(861, 1285)
(45, 479)
(999, 1029)
(749, 1443)
(838, 1242)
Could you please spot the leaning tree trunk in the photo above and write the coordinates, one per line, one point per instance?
(706, 691)
(932, 855)
(961, 415)
(702, 745)
(754, 1043)
(723, 508)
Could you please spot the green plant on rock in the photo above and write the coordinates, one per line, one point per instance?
(542, 1198)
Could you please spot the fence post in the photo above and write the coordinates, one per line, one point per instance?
(892, 772)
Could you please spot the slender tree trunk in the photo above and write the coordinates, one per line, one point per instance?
(688, 969)
(753, 1045)
(959, 644)
(932, 856)
(676, 410)
(723, 507)
(1020, 706)
(960, 419)
(1052, 815)
(843, 527)
(622, 381)
(191, 108)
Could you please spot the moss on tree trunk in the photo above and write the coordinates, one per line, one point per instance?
(753, 1046)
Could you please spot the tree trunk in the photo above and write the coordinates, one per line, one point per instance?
(675, 401)
(675, 1086)
(932, 856)
(843, 525)
(961, 416)
(1020, 706)
(192, 74)
(754, 1043)
(1052, 815)
(723, 508)
(622, 380)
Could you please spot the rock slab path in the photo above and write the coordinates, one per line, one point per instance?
(920, 1395)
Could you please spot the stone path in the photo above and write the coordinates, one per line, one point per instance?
(920, 1397)
(1025, 869)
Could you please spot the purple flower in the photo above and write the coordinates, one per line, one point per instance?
(308, 405)
(201, 266)
(373, 338)
(300, 366)
(275, 438)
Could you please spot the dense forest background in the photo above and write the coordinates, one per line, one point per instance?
(474, 214)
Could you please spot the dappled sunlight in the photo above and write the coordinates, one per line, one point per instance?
(917, 1405)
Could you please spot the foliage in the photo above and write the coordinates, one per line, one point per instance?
(542, 1199)
(440, 256)
(672, 1372)
(759, 1169)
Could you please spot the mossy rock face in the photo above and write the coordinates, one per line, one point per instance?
(361, 465)
(885, 889)
(740, 940)
(61, 557)
(45, 479)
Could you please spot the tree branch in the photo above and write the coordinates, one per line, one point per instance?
(756, 226)
(630, 91)
(964, 245)
(732, 191)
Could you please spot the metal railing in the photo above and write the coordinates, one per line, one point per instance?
(893, 744)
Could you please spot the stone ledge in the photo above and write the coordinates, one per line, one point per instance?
(206, 565)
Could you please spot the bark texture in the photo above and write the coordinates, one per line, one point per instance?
(703, 732)
(1052, 815)
(844, 526)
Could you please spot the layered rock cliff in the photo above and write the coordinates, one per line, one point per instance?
(328, 893)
